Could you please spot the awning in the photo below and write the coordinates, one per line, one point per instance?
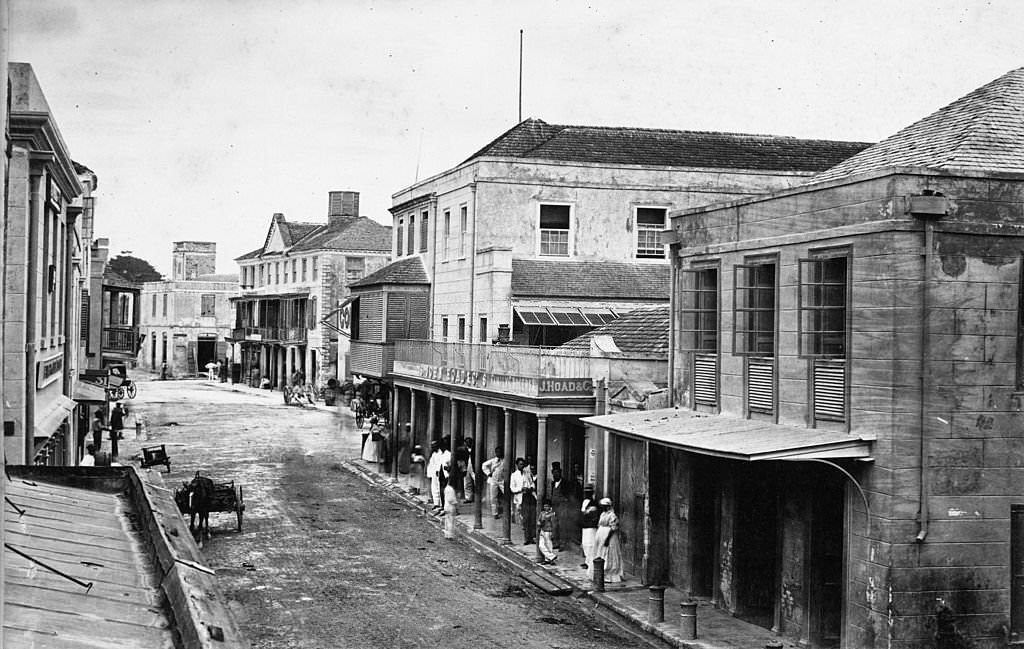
(563, 316)
(732, 437)
(89, 393)
(48, 420)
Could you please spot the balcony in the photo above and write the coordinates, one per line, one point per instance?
(257, 334)
(120, 340)
(522, 371)
(374, 359)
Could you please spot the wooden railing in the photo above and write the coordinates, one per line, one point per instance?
(121, 340)
(512, 360)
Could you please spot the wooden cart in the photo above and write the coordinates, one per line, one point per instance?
(226, 497)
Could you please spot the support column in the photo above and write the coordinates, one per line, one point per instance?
(289, 364)
(431, 417)
(506, 522)
(396, 432)
(281, 376)
(479, 450)
(542, 469)
(412, 418)
(454, 420)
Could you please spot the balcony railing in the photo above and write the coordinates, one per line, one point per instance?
(257, 333)
(529, 371)
(122, 340)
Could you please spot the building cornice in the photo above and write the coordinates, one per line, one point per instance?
(36, 131)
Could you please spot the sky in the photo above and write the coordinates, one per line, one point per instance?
(202, 118)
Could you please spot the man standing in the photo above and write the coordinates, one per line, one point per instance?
(435, 470)
(116, 426)
(494, 469)
(464, 465)
(97, 429)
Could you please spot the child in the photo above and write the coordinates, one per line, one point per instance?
(546, 523)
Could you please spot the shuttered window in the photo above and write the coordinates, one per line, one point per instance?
(830, 390)
(699, 310)
(761, 385)
(85, 315)
(407, 316)
(705, 379)
(823, 307)
(754, 307)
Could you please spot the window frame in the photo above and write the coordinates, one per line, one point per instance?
(462, 328)
(203, 311)
(570, 231)
(349, 263)
(693, 304)
(805, 336)
(400, 238)
(636, 231)
(424, 230)
(463, 229)
(446, 233)
(444, 328)
(743, 315)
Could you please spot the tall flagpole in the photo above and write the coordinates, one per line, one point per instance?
(520, 75)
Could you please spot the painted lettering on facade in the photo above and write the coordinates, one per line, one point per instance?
(575, 387)
(455, 376)
(48, 370)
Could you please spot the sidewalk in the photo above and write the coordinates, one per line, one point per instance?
(629, 600)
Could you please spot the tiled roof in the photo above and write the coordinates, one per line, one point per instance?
(592, 279)
(347, 233)
(215, 277)
(534, 138)
(983, 130)
(407, 270)
(644, 331)
(294, 232)
(252, 254)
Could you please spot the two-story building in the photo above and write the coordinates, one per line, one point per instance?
(188, 318)
(293, 288)
(843, 463)
(545, 233)
(41, 310)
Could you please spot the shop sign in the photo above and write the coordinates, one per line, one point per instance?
(510, 384)
(582, 387)
(49, 370)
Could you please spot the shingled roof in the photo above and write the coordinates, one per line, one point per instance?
(592, 279)
(346, 233)
(983, 130)
(407, 270)
(643, 331)
(536, 139)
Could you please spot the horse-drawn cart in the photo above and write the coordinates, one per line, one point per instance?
(202, 495)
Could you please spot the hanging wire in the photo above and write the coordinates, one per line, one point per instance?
(86, 586)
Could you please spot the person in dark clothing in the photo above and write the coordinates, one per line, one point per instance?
(97, 429)
(563, 500)
(116, 426)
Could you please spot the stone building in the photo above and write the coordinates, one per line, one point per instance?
(293, 289)
(187, 319)
(41, 280)
(545, 233)
(843, 463)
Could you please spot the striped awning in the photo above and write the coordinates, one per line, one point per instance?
(50, 416)
(732, 437)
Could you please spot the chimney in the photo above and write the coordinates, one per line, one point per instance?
(342, 204)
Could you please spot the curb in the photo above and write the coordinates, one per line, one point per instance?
(613, 612)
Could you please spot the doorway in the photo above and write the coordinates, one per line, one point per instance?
(206, 352)
(756, 546)
(827, 565)
(704, 505)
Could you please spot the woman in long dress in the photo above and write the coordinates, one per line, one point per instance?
(451, 508)
(373, 449)
(607, 545)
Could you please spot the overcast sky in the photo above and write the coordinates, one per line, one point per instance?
(204, 117)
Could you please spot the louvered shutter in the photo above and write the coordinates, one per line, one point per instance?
(830, 390)
(761, 385)
(705, 379)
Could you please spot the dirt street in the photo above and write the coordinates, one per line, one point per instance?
(325, 559)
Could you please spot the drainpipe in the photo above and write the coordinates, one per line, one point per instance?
(928, 207)
(472, 266)
(672, 325)
(70, 337)
(36, 204)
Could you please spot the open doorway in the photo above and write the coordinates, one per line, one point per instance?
(756, 546)
(206, 352)
(826, 601)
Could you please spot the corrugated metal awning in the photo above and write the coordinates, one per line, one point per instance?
(47, 420)
(89, 393)
(732, 437)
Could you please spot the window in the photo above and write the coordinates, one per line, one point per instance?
(400, 247)
(295, 275)
(154, 305)
(650, 221)
(462, 328)
(424, 218)
(304, 270)
(483, 330)
(316, 261)
(447, 232)
(823, 296)
(463, 227)
(277, 272)
(699, 311)
(355, 268)
(444, 328)
(262, 275)
(208, 305)
(412, 234)
(554, 230)
(165, 305)
(754, 320)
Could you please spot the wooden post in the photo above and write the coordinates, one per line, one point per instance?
(479, 488)
(542, 473)
(506, 523)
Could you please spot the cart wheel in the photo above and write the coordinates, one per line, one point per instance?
(131, 390)
(120, 392)
(287, 394)
(239, 507)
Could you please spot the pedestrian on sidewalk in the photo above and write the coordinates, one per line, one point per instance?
(451, 508)
(561, 500)
(97, 429)
(529, 507)
(434, 469)
(494, 469)
(90, 456)
(607, 544)
(417, 471)
(546, 524)
(589, 516)
(373, 448)
(515, 486)
(117, 416)
(464, 462)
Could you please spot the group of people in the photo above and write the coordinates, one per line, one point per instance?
(94, 453)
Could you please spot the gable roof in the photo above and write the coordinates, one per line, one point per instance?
(347, 233)
(983, 130)
(252, 254)
(536, 139)
(407, 270)
(643, 331)
(592, 279)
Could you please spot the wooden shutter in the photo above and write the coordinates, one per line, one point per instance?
(705, 379)
(761, 385)
(85, 316)
(830, 390)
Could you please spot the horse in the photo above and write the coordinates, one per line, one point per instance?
(199, 493)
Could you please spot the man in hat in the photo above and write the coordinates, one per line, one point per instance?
(435, 469)
(589, 516)
(494, 469)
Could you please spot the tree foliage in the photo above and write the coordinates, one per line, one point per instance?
(133, 269)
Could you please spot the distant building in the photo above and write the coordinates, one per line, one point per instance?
(843, 464)
(293, 288)
(186, 319)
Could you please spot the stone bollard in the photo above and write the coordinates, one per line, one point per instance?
(598, 574)
(138, 430)
(774, 644)
(656, 605)
(688, 620)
